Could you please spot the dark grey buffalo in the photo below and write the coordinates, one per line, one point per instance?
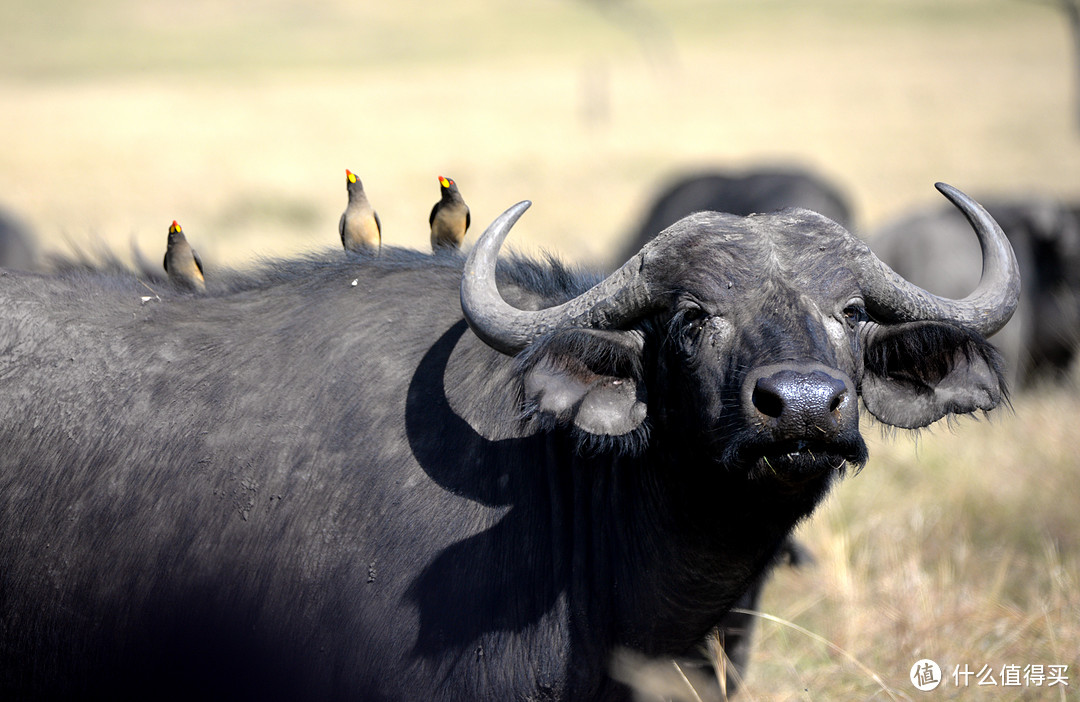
(296, 487)
(933, 249)
(746, 193)
(18, 246)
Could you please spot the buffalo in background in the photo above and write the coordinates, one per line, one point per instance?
(18, 247)
(751, 192)
(933, 249)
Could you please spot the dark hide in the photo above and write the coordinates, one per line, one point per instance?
(295, 487)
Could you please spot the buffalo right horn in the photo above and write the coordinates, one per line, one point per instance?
(616, 300)
(985, 310)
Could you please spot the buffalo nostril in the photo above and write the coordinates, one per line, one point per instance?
(799, 403)
(767, 401)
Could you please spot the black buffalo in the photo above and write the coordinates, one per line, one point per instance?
(298, 487)
(742, 193)
(933, 249)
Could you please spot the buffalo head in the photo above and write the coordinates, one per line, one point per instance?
(753, 338)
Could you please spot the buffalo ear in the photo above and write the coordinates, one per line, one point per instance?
(916, 373)
(587, 377)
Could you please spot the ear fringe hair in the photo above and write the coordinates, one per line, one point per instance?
(586, 444)
(629, 445)
(926, 354)
(952, 420)
(609, 359)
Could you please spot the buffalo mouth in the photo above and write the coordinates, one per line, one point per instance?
(795, 462)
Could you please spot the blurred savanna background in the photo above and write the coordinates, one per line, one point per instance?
(238, 119)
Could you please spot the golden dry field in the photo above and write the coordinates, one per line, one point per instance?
(238, 118)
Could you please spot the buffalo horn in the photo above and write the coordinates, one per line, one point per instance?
(617, 299)
(986, 309)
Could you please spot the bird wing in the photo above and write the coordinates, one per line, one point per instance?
(198, 261)
(378, 224)
(468, 218)
(166, 262)
(341, 228)
(434, 209)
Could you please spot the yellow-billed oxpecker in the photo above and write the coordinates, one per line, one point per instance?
(449, 218)
(182, 263)
(359, 226)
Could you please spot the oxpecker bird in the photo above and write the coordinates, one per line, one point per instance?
(359, 227)
(182, 263)
(449, 218)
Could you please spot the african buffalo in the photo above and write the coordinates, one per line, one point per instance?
(18, 246)
(742, 193)
(932, 248)
(333, 480)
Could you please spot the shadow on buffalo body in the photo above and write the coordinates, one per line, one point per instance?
(491, 588)
(932, 248)
(175, 647)
(504, 578)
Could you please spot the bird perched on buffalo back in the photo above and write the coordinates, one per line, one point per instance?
(449, 218)
(182, 263)
(359, 226)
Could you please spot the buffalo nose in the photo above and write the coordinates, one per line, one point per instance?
(801, 405)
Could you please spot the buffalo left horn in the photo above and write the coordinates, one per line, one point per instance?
(616, 300)
(986, 309)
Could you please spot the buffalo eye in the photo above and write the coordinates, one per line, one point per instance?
(855, 314)
(692, 317)
(687, 323)
(693, 314)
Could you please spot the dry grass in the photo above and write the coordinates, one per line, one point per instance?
(238, 119)
(962, 547)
